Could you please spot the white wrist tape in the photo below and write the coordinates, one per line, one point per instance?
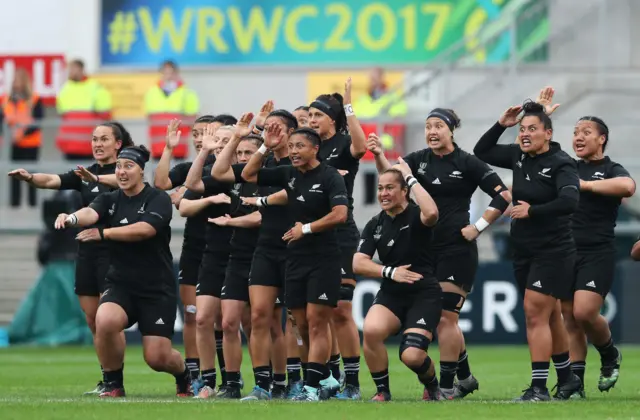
(71, 220)
(306, 229)
(348, 110)
(263, 149)
(262, 202)
(410, 180)
(481, 224)
(388, 272)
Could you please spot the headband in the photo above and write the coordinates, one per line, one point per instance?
(445, 116)
(324, 107)
(134, 155)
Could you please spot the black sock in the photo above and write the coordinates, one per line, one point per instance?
(305, 372)
(423, 372)
(381, 379)
(447, 374)
(578, 368)
(102, 373)
(334, 366)
(315, 373)
(293, 369)
(539, 374)
(233, 379)
(280, 379)
(209, 378)
(115, 377)
(194, 367)
(262, 377)
(563, 366)
(223, 371)
(464, 371)
(352, 370)
(607, 351)
(182, 379)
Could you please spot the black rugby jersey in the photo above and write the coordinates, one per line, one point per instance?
(537, 180)
(88, 191)
(451, 181)
(146, 266)
(217, 238)
(312, 195)
(195, 226)
(275, 219)
(243, 240)
(401, 240)
(594, 221)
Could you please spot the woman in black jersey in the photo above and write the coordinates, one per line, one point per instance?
(316, 198)
(194, 242)
(245, 221)
(410, 298)
(545, 194)
(302, 116)
(603, 185)
(343, 145)
(451, 176)
(269, 259)
(140, 284)
(212, 269)
(93, 258)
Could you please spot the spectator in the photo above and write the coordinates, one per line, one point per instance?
(170, 99)
(21, 112)
(82, 103)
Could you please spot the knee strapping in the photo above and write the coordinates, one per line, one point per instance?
(346, 292)
(413, 340)
(452, 302)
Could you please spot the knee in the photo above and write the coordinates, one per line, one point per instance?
(317, 325)
(413, 350)
(535, 314)
(342, 314)
(583, 315)
(190, 315)
(260, 318)
(156, 358)
(105, 324)
(373, 336)
(230, 325)
(204, 321)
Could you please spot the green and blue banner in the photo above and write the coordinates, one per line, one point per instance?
(142, 33)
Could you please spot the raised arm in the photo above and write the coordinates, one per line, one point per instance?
(358, 138)
(428, 208)
(375, 146)
(222, 167)
(194, 177)
(161, 177)
(488, 149)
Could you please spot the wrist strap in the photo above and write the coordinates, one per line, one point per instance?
(348, 110)
(257, 127)
(481, 224)
(263, 149)
(388, 272)
(262, 202)
(101, 232)
(98, 179)
(410, 180)
(72, 219)
(306, 229)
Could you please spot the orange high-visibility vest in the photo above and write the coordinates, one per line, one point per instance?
(82, 105)
(161, 108)
(19, 116)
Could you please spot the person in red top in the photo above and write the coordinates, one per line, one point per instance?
(21, 110)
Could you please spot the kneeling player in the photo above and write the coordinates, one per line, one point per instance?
(409, 299)
(140, 284)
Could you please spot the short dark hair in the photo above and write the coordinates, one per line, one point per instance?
(204, 119)
(77, 62)
(255, 139)
(310, 134)
(225, 119)
(286, 117)
(169, 63)
(534, 109)
(603, 129)
(303, 108)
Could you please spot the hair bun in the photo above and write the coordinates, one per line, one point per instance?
(338, 97)
(533, 107)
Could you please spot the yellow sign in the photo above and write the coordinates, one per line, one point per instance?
(330, 82)
(127, 92)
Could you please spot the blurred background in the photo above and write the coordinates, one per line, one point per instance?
(68, 64)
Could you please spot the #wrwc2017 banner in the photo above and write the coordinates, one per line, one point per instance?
(142, 33)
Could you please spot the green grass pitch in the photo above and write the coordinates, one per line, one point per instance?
(43, 383)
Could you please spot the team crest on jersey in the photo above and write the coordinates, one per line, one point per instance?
(292, 182)
(112, 209)
(360, 244)
(378, 233)
(236, 189)
(141, 211)
(423, 167)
